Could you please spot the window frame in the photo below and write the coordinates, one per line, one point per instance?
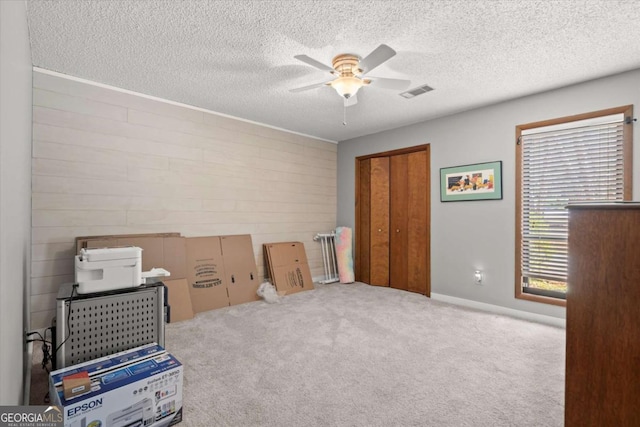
(627, 111)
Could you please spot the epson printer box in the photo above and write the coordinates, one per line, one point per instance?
(137, 387)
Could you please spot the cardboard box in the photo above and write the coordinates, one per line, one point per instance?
(174, 257)
(81, 242)
(180, 307)
(288, 267)
(137, 387)
(269, 268)
(240, 268)
(205, 274)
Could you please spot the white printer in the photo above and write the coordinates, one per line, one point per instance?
(106, 269)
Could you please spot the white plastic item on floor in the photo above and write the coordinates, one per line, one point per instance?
(268, 292)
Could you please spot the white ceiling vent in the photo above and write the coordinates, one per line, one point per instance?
(416, 91)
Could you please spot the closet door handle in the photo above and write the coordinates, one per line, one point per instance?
(379, 230)
(397, 230)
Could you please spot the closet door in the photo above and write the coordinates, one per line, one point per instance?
(392, 219)
(409, 222)
(363, 219)
(379, 217)
(398, 218)
(372, 242)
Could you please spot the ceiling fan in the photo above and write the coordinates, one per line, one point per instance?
(350, 70)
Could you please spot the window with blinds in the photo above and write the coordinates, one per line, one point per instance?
(578, 159)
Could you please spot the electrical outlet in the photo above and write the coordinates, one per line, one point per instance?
(478, 277)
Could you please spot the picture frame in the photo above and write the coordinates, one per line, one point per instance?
(478, 181)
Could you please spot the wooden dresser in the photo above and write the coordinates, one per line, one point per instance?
(603, 316)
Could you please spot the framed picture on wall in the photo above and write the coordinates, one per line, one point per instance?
(480, 181)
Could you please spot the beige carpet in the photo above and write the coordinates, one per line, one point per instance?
(356, 355)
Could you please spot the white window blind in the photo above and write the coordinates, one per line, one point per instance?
(574, 162)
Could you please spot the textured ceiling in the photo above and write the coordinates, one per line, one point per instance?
(237, 57)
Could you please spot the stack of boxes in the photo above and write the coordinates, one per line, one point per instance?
(206, 272)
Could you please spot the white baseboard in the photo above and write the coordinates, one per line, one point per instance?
(534, 317)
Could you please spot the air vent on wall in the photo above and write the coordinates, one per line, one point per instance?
(416, 91)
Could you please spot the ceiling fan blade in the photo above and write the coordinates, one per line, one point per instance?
(317, 64)
(313, 86)
(393, 84)
(352, 100)
(379, 55)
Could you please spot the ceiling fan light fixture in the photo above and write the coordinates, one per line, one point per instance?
(347, 86)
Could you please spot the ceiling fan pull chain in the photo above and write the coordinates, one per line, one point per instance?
(344, 119)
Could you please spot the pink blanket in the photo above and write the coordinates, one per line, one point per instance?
(344, 257)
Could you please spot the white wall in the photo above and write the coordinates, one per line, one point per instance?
(15, 192)
(109, 162)
(466, 236)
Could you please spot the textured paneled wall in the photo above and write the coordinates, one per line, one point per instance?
(109, 162)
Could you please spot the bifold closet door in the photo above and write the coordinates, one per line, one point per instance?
(379, 214)
(372, 244)
(408, 267)
(363, 232)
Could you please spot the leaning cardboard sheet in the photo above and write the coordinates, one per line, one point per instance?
(137, 387)
(287, 267)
